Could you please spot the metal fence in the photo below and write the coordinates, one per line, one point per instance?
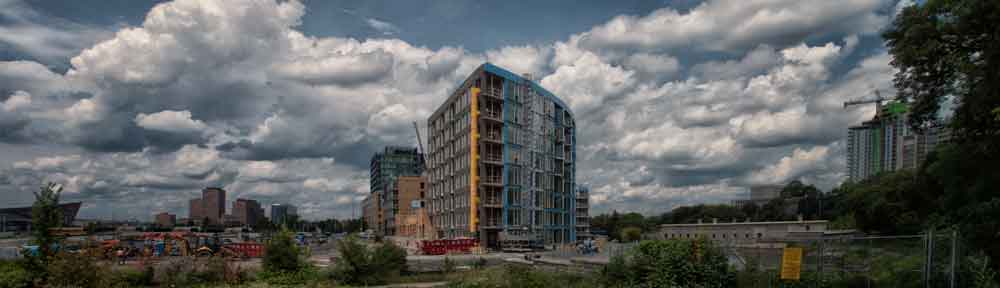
(923, 260)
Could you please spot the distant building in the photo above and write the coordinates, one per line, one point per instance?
(280, 213)
(196, 211)
(213, 200)
(165, 219)
(247, 212)
(371, 211)
(18, 219)
(760, 195)
(392, 162)
(886, 143)
(582, 211)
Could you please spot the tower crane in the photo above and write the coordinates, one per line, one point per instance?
(420, 143)
(877, 100)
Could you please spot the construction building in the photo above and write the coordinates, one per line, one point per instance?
(408, 217)
(502, 162)
(247, 212)
(886, 143)
(371, 211)
(165, 219)
(385, 168)
(582, 212)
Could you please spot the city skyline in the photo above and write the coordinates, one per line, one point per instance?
(140, 106)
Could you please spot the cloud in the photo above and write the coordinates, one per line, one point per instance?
(170, 121)
(730, 26)
(678, 106)
(386, 28)
(44, 37)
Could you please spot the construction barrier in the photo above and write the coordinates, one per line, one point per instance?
(445, 246)
(247, 250)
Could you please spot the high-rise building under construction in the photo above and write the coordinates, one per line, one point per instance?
(886, 143)
(502, 162)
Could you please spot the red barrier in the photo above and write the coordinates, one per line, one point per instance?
(444, 246)
(249, 250)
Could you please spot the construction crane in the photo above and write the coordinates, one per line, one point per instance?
(877, 100)
(420, 143)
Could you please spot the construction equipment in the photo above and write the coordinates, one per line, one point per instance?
(877, 100)
(420, 143)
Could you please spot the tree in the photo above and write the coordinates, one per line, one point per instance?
(631, 234)
(282, 253)
(950, 49)
(46, 214)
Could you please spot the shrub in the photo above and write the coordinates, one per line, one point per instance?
(75, 270)
(282, 253)
(128, 277)
(522, 276)
(13, 275)
(631, 234)
(448, 265)
(298, 278)
(671, 263)
(360, 265)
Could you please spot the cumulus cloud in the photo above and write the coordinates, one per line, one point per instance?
(170, 121)
(232, 94)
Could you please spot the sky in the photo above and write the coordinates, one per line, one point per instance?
(135, 106)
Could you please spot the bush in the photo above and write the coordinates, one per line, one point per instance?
(282, 253)
(298, 278)
(631, 234)
(522, 276)
(75, 270)
(13, 275)
(127, 277)
(671, 263)
(359, 265)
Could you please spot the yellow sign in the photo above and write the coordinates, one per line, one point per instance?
(791, 263)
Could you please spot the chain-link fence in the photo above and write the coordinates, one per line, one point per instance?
(924, 260)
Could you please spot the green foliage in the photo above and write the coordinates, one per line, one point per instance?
(75, 270)
(282, 253)
(671, 263)
(980, 272)
(361, 265)
(128, 277)
(631, 234)
(950, 49)
(14, 275)
(298, 278)
(521, 276)
(45, 214)
(448, 266)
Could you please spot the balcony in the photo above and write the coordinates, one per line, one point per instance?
(493, 92)
(492, 114)
(492, 180)
(492, 202)
(493, 158)
(492, 136)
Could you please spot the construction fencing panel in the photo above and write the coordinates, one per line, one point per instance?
(924, 260)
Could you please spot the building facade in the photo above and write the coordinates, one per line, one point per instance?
(502, 161)
(213, 199)
(371, 211)
(392, 162)
(195, 212)
(248, 212)
(744, 231)
(403, 198)
(582, 211)
(165, 219)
